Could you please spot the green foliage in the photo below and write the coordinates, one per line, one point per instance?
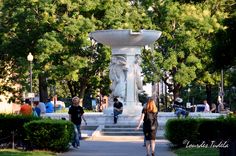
(185, 43)
(48, 134)
(15, 121)
(197, 151)
(57, 34)
(7, 152)
(13, 125)
(212, 127)
(224, 48)
(179, 130)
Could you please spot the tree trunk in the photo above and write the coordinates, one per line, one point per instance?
(83, 87)
(76, 89)
(43, 93)
(176, 91)
(82, 91)
(71, 88)
(208, 93)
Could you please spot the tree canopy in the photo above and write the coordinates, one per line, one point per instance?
(185, 46)
(57, 34)
(197, 39)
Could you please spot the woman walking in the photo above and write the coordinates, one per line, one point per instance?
(149, 119)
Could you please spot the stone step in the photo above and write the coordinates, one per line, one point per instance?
(120, 126)
(121, 129)
(127, 130)
(131, 127)
(122, 133)
(115, 129)
(97, 122)
(115, 133)
(116, 138)
(128, 127)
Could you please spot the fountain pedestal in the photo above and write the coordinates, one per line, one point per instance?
(126, 49)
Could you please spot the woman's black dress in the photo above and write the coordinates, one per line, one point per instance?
(149, 129)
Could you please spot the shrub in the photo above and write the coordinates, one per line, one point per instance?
(49, 134)
(222, 128)
(209, 129)
(199, 130)
(228, 128)
(179, 130)
(13, 123)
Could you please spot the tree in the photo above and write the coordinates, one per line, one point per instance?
(224, 48)
(56, 33)
(185, 44)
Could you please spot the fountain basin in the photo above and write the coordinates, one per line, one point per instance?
(123, 38)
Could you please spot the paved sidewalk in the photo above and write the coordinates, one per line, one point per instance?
(117, 148)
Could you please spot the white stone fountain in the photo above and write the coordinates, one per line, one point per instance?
(125, 70)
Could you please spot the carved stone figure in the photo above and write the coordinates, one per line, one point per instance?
(117, 75)
(138, 74)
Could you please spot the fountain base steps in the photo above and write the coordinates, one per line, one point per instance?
(101, 127)
(122, 132)
(101, 119)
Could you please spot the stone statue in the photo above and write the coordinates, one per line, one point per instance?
(138, 71)
(117, 75)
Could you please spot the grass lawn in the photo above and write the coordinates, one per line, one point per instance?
(9, 152)
(197, 152)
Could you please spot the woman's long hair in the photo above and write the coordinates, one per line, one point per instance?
(151, 106)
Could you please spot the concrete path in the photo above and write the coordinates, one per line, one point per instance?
(117, 148)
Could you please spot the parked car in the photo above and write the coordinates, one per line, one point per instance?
(199, 108)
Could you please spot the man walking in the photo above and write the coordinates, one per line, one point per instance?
(76, 115)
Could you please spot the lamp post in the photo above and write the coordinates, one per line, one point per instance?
(30, 59)
(189, 90)
(222, 85)
(188, 104)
